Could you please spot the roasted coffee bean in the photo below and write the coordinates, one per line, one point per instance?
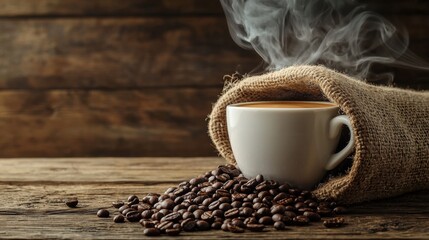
(250, 220)
(277, 209)
(118, 204)
(286, 201)
(207, 201)
(103, 213)
(167, 204)
(152, 200)
(246, 212)
(279, 225)
(199, 199)
(301, 220)
(178, 200)
(218, 213)
(263, 212)
(237, 222)
(300, 205)
(133, 216)
(262, 186)
(302, 210)
(162, 226)
(258, 205)
(266, 220)
(121, 209)
(170, 190)
(157, 216)
(216, 225)
(198, 213)
(280, 196)
(147, 223)
(133, 199)
(314, 217)
(229, 184)
(334, 222)
(224, 200)
(165, 211)
(339, 210)
(259, 178)
(173, 217)
(203, 225)
(225, 206)
(290, 208)
(255, 227)
(294, 191)
(72, 202)
(224, 227)
(151, 232)
(143, 206)
(247, 204)
(277, 217)
(263, 194)
(118, 219)
(235, 229)
(127, 211)
(187, 215)
(238, 196)
(284, 187)
(267, 200)
(222, 193)
(231, 213)
(173, 231)
(274, 191)
(324, 211)
(196, 181)
(214, 205)
(236, 204)
(207, 216)
(188, 225)
(192, 208)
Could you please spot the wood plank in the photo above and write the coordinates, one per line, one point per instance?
(163, 7)
(33, 209)
(118, 53)
(13, 8)
(151, 122)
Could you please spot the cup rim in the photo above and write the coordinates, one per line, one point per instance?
(240, 105)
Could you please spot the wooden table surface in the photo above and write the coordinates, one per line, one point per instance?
(32, 193)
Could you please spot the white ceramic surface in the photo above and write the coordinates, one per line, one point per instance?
(293, 145)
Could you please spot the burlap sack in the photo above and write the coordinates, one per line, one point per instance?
(391, 128)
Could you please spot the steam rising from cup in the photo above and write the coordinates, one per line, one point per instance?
(339, 34)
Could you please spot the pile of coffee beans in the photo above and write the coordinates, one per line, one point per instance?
(224, 199)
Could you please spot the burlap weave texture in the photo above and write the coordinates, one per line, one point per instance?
(390, 125)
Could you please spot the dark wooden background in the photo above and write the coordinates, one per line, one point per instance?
(130, 77)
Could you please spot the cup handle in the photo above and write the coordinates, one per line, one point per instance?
(335, 129)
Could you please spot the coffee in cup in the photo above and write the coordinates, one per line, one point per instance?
(287, 141)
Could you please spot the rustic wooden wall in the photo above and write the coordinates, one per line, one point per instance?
(129, 77)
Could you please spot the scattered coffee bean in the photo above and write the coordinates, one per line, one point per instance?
(133, 216)
(118, 219)
(203, 225)
(225, 199)
(334, 222)
(117, 204)
(151, 232)
(188, 225)
(279, 225)
(103, 213)
(173, 231)
(234, 229)
(72, 202)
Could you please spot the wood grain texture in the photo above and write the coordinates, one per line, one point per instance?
(17, 8)
(152, 122)
(118, 53)
(14, 8)
(32, 193)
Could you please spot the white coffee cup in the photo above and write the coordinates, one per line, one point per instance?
(291, 142)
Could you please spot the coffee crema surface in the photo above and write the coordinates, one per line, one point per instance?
(296, 104)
